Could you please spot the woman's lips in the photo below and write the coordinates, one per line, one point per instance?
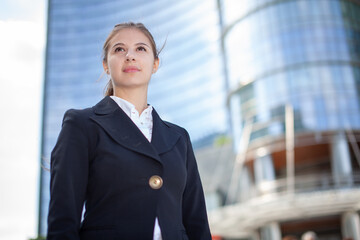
(131, 69)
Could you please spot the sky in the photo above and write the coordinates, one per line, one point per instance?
(22, 48)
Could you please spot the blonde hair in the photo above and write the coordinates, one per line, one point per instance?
(118, 27)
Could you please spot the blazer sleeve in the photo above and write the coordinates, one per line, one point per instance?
(69, 171)
(194, 209)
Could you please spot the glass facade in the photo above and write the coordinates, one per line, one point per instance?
(188, 88)
(278, 53)
(304, 54)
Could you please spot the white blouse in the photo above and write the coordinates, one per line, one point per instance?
(145, 123)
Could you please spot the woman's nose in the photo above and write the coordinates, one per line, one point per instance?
(130, 56)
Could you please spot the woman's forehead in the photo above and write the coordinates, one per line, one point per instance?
(130, 36)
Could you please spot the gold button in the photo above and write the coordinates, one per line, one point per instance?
(155, 182)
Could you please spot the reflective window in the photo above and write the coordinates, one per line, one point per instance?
(297, 52)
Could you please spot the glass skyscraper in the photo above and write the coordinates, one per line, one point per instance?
(292, 71)
(294, 96)
(188, 88)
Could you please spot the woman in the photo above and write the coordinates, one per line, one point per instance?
(135, 173)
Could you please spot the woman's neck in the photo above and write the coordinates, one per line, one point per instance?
(136, 96)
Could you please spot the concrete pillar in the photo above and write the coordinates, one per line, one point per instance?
(350, 225)
(245, 185)
(264, 174)
(255, 236)
(270, 231)
(340, 160)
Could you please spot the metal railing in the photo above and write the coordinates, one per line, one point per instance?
(302, 184)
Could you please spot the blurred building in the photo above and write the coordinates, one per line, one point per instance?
(188, 89)
(294, 94)
(292, 74)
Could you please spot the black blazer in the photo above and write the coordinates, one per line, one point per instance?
(103, 160)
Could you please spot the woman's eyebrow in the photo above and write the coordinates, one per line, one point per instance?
(116, 44)
(141, 43)
(137, 44)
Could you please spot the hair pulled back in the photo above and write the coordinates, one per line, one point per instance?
(118, 27)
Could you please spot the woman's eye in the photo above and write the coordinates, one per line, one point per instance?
(119, 49)
(141, 49)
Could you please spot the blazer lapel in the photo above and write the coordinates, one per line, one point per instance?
(164, 136)
(120, 127)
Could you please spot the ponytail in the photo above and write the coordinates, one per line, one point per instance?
(109, 89)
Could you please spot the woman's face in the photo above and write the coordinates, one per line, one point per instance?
(130, 59)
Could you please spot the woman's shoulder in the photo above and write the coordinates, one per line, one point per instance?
(85, 113)
(174, 126)
(182, 131)
(78, 114)
(78, 117)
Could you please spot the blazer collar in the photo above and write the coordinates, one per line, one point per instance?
(120, 127)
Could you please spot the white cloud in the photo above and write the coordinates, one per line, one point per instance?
(25, 10)
(21, 61)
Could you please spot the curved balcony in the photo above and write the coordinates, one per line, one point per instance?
(313, 196)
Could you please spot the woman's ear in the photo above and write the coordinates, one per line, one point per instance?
(105, 66)
(156, 65)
